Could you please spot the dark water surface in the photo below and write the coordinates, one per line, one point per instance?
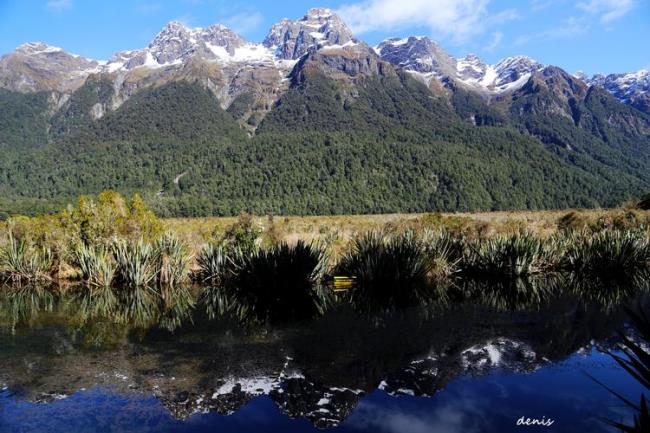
(459, 368)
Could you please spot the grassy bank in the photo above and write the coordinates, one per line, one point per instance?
(112, 229)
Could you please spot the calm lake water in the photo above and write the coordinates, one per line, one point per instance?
(463, 367)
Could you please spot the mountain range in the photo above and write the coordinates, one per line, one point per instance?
(314, 120)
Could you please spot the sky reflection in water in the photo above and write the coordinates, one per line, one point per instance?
(468, 404)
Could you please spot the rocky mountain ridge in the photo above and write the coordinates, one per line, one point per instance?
(313, 115)
(629, 88)
(231, 66)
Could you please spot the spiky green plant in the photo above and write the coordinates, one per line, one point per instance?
(389, 269)
(608, 252)
(172, 261)
(444, 251)
(96, 264)
(277, 283)
(20, 263)
(215, 264)
(514, 256)
(136, 263)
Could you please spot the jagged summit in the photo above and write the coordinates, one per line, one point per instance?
(423, 56)
(631, 88)
(37, 66)
(38, 48)
(418, 54)
(176, 43)
(290, 40)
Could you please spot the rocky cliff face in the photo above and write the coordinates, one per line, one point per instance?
(35, 67)
(290, 40)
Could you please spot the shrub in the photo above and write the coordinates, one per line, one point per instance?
(572, 221)
(274, 232)
(243, 235)
(97, 221)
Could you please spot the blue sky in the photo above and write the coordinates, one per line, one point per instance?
(591, 35)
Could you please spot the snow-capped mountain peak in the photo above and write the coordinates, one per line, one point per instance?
(422, 56)
(36, 48)
(471, 69)
(515, 69)
(38, 66)
(176, 43)
(417, 54)
(631, 88)
(320, 27)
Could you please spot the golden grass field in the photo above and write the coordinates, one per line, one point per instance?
(337, 230)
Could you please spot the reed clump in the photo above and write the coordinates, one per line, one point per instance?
(274, 283)
(518, 255)
(214, 264)
(96, 264)
(607, 252)
(388, 268)
(20, 262)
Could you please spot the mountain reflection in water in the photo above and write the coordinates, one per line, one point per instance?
(475, 360)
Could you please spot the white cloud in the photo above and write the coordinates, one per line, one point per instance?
(608, 10)
(148, 8)
(497, 37)
(245, 22)
(571, 27)
(457, 19)
(59, 5)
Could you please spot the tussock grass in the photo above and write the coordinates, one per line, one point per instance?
(275, 283)
(388, 268)
(172, 261)
(608, 252)
(513, 256)
(214, 264)
(136, 263)
(21, 263)
(96, 264)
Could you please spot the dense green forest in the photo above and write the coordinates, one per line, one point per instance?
(392, 147)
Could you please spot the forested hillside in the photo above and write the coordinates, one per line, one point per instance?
(391, 147)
